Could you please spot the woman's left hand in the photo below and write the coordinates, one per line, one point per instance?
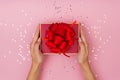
(35, 47)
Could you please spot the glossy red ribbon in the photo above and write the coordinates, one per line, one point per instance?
(60, 37)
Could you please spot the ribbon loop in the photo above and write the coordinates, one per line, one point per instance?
(60, 37)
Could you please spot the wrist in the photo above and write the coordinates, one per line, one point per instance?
(36, 64)
(85, 63)
(85, 66)
(87, 71)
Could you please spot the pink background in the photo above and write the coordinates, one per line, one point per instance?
(18, 21)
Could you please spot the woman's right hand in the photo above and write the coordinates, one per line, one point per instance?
(83, 47)
(83, 57)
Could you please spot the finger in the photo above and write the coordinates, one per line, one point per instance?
(79, 41)
(37, 44)
(81, 44)
(83, 37)
(79, 30)
(37, 34)
(40, 29)
(40, 40)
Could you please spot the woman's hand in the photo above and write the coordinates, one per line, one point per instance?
(35, 47)
(83, 56)
(37, 57)
(83, 47)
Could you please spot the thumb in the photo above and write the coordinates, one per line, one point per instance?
(80, 42)
(37, 44)
(40, 42)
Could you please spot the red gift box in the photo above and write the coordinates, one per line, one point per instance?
(59, 38)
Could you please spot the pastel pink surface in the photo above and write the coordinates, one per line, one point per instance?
(73, 49)
(19, 19)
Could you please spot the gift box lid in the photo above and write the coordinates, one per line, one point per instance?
(45, 50)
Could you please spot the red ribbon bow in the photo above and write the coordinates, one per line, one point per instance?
(60, 37)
